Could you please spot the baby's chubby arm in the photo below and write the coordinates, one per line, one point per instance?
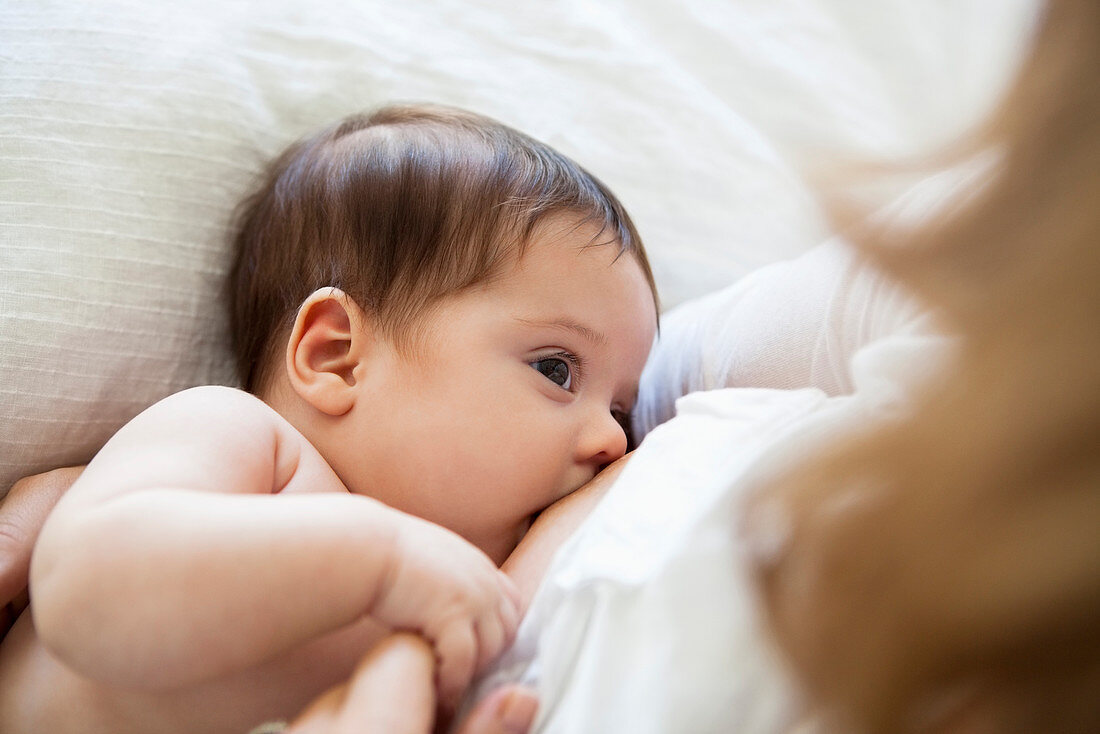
(172, 559)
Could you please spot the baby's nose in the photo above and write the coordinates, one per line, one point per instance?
(603, 440)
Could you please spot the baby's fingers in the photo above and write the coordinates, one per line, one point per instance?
(457, 649)
(511, 605)
(492, 638)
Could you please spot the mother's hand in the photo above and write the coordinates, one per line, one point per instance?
(392, 692)
(22, 513)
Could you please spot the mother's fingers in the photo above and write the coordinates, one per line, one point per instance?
(391, 692)
(507, 710)
(22, 514)
(458, 656)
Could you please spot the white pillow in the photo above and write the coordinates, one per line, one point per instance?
(130, 130)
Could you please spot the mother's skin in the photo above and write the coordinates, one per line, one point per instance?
(22, 513)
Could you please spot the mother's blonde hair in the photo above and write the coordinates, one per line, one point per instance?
(965, 596)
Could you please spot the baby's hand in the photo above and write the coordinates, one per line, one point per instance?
(446, 589)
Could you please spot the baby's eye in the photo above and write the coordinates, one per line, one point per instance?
(555, 369)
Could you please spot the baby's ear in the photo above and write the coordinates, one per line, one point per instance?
(323, 350)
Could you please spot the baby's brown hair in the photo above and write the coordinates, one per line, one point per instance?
(400, 208)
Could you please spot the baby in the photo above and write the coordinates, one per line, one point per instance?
(442, 324)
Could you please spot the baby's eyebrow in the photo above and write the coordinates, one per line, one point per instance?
(570, 325)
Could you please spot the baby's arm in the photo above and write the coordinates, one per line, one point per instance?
(170, 560)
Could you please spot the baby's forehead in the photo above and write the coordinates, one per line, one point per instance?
(577, 232)
(590, 287)
(569, 268)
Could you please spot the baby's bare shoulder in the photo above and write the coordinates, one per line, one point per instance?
(241, 426)
(207, 414)
(213, 400)
(209, 437)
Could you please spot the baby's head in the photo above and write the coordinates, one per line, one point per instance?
(455, 314)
